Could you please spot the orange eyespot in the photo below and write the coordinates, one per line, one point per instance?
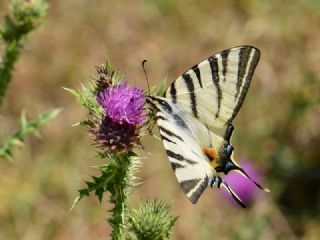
(210, 152)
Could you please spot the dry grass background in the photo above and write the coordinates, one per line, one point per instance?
(38, 188)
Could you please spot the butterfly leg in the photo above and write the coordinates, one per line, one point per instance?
(215, 180)
(211, 181)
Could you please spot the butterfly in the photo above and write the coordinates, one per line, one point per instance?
(195, 117)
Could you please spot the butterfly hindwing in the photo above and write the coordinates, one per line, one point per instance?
(184, 152)
(213, 90)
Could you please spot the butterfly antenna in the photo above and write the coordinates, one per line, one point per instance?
(145, 74)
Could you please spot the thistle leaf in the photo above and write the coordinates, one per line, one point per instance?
(25, 128)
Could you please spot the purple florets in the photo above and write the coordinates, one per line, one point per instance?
(119, 128)
(123, 104)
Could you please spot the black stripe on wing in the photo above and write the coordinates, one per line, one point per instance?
(175, 165)
(189, 185)
(173, 92)
(197, 193)
(196, 70)
(168, 132)
(159, 104)
(244, 56)
(190, 86)
(224, 55)
(179, 157)
(196, 186)
(160, 117)
(250, 67)
(164, 138)
(215, 78)
(180, 122)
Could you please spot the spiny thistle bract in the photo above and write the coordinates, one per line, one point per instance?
(151, 220)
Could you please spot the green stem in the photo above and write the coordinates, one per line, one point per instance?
(10, 56)
(118, 196)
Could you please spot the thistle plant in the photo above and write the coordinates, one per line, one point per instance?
(25, 16)
(116, 120)
(151, 220)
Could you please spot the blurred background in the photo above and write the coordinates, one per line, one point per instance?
(277, 132)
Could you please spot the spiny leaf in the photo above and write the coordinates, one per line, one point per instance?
(87, 98)
(47, 116)
(25, 128)
(98, 184)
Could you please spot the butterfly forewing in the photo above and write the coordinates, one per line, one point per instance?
(213, 91)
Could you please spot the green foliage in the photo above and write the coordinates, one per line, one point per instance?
(87, 98)
(10, 56)
(119, 168)
(116, 178)
(118, 188)
(26, 127)
(157, 91)
(25, 17)
(151, 220)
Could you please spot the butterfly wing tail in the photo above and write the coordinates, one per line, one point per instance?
(221, 183)
(232, 166)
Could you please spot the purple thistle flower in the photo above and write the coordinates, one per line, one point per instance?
(119, 129)
(242, 186)
(123, 104)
